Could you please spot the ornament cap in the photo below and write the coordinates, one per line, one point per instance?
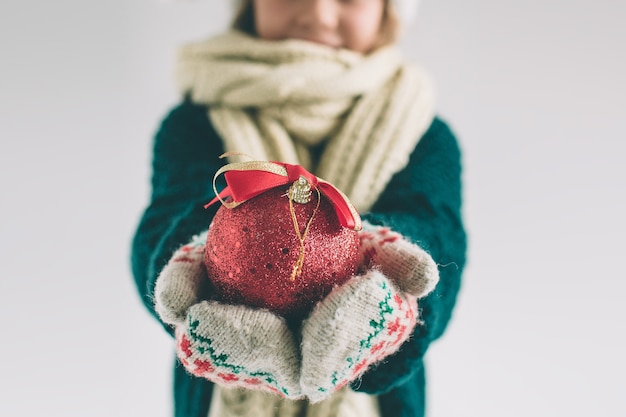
(300, 191)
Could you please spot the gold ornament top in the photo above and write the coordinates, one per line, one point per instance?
(300, 191)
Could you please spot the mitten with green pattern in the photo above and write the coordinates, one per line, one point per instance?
(238, 346)
(234, 346)
(369, 317)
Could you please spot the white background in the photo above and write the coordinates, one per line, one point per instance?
(536, 94)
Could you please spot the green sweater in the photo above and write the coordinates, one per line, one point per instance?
(423, 202)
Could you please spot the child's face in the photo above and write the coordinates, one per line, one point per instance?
(350, 24)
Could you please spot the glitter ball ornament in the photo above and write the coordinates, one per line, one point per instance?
(283, 250)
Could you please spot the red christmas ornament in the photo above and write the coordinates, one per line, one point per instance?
(283, 249)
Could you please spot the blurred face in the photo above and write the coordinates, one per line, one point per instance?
(350, 24)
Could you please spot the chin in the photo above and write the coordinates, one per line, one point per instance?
(332, 43)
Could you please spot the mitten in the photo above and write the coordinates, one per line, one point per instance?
(237, 346)
(180, 283)
(368, 318)
(409, 266)
(234, 346)
(358, 324)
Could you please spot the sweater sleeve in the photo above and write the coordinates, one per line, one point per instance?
(185, 158)
(423, 202)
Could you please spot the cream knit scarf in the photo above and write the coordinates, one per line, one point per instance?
(290, 100)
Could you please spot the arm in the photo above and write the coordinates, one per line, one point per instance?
(423, 203)
(186, 151)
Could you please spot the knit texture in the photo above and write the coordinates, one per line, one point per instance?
(410, 267)
(280, 100)
(229, 345)
(357, 324)
(241, 347)
(180, 283)
(422, 202)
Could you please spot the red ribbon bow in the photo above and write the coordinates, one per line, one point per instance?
(245, 180)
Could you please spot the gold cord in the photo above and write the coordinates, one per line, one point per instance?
(297, 268)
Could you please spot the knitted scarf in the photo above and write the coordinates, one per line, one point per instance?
(352, 119)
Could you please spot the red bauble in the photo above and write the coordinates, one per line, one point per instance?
(251, 251)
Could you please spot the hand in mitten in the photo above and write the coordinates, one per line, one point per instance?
(180, 283)
(234, 346)
(369, 317)
(238, 346)
(410, 267)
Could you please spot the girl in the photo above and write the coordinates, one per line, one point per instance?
(321, 84)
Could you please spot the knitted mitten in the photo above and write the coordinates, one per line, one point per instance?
(237, 346)
(234, 346)
(409, 266)
(369, 317)
(358, 324)
(179, 284)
